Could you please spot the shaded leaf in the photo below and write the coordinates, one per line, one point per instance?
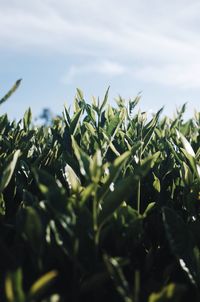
(180, 242)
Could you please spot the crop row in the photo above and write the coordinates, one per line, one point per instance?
(102, 204)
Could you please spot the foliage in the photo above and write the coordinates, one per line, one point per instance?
(102, 203)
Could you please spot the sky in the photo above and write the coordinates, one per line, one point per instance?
(56, 46)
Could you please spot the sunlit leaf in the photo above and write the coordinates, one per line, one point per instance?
(186, 144)
(71, 178)
(14, 287)
(44, 282)
(9, 170)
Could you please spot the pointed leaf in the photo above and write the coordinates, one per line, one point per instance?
(10, 92)
(27, 119)
(116, 197)
(72, 179)
(9, 170)
(44, 282)
(105, 99)
(75, 122)
(185, 143)
(14, 287)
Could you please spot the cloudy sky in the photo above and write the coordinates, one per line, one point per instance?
(132, 46)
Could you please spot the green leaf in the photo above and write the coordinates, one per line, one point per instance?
(172, 147)
(149, 129)
(87, 192)
(27, 119)
(187, 174)
(2, 205)
(112, 147)
(151, 206)
(112, 125)
(51, 188)
(82, 157)
(169, 293)
(14, 287)
(192, 162)
(66, 116)
(42, 284)
(91, 114)
(181, 244)
(32, 228)
(9, 170)
(90, 128)
(72, 179)
(147, 164)
(10, 92)
(185, 144)
(118, 277)
(105, 99)
(75, 122)
(133, 103)
(113, 173)
(116, 197)
(79, 94)
(96, 167)
(156, 183)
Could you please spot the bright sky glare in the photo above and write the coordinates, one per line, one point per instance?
(139, 45)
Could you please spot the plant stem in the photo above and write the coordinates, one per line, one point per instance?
(139, 196)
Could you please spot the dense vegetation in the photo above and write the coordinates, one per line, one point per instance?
(101, 205)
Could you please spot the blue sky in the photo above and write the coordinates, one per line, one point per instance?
(132, 46)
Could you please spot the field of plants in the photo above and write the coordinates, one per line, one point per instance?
(103, 204)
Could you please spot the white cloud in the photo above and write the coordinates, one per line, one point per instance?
(106, 68)
(95, 26)
(182, 76)
(156, 41)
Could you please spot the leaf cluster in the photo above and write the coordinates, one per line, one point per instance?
(103, 204)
